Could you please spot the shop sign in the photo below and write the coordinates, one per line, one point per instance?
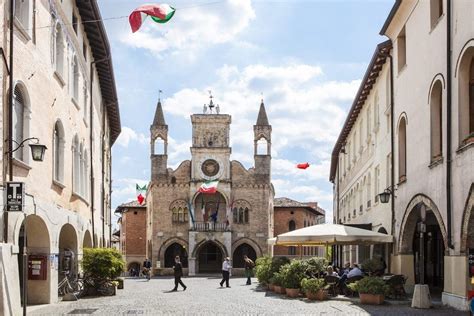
(15, 196)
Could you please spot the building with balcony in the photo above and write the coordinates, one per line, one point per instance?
(63, 94)
(205, 228)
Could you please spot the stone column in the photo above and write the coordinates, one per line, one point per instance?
(192, 266)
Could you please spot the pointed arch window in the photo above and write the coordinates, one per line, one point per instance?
(58, 152)
(240, 213)
(75, 79)
(22, 13)
(179, 211)
(402, 150)
(58, 49)
(76, 165)
(21, 119)
(436, 113)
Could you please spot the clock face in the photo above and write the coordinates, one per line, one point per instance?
(210, 167)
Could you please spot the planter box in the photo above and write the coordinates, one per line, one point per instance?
(292, 292)
(120, 283)
(280, 289)
(271, 287)
(320, 295)
(371, 299)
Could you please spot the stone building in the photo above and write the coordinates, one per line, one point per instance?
(432, 119)
(132, 234)
(57, 60)
(291, 215)
(361, 161)
(180, 217)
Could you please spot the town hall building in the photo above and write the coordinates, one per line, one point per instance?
(205, 228)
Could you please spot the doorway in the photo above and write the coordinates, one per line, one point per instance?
(210, 258)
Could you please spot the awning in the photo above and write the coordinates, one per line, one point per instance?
(329, 234)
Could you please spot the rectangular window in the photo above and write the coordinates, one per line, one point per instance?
(389, 170)
(84, 50)
(377, 182)
(402, 50)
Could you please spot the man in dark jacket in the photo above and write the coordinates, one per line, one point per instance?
(147, 268)
(178, 273)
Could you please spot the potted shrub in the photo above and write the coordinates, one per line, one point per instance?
(315, 266)
(293, 273)
(373, 266)
(315, 289)
(101, 267)
(271, 284)
(263, 270)
(278, 283)
(372, 290)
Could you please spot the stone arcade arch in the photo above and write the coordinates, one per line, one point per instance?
(87, 242)
(38, 244)
(67, 244)
(239, 252)
(173, 250)
(435, 241)
(467, 232)
(209, 255)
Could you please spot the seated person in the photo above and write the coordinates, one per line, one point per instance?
(331, 272)
(355, 271)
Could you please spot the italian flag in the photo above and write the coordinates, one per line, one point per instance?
(209, 187)
(141, 193)
(160, 13)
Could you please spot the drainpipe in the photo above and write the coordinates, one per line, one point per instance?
(392, 146)
(448, 124)
(103, 173)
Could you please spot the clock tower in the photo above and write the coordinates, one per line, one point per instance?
(210, 151)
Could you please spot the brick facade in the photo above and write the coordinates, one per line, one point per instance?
(303, 215)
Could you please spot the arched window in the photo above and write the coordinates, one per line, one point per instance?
(58, 152)
(466, 97)
(58, 50)
(436, 11)
(246, 215)
(436, 113)
(76, 165)
(291, 225)
(235, 217)
(22, 13)
(179, 211)
(369, 192)
(19, 104)
(159, 146)
(241, 212)
(262, 147)
(85, 177)
(174, 250)
(402, 150)
(75, 79)
(174, 214)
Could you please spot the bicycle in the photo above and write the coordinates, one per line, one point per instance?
(147, 273)
(70, 286)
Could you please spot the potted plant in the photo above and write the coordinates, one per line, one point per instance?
(263, 270)
(278, 283)
(271, 284)
(293, 273)
(315, 289)
(315, 266)
(372, 290)
(373, 266)
(101, 267)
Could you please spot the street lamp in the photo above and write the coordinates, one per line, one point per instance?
(385, 195)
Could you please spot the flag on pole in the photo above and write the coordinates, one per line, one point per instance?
(141, 193)
(302, 165)
(159, 13)
(191, 211)
(209, 187)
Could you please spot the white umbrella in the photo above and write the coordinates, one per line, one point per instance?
(330, 234)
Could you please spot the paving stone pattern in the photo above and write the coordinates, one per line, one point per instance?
(204, 296)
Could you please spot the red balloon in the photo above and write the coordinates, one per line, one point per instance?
(302, 165)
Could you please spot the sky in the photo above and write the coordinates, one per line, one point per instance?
(305, 58)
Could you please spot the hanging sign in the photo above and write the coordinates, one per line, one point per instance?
(15, 196)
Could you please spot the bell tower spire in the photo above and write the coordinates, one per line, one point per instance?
(262, 131)
(159, 143)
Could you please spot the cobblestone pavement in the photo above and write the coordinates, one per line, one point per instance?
(204, 296)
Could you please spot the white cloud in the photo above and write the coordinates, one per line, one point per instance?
(129, 135)
(304, 110)
(193, 28)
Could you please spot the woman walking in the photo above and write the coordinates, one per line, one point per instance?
(248, 265)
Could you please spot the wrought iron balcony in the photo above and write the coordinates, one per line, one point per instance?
(210, 227)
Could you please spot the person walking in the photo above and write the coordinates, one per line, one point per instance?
(178, 273)
(147, 268)
(225, 272)
(248, 265)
